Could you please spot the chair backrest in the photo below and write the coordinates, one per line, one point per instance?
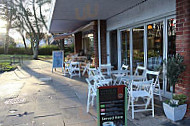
(124, 67)
(105, 68)
(91, 84)
(143, 85)
(140, 69)
(153, 75)
(74, 64)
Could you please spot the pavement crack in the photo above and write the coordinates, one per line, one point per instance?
(47, 115)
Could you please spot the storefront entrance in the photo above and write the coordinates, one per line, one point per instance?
(148, 45)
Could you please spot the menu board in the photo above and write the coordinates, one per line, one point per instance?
(58, 59)
(112, 103)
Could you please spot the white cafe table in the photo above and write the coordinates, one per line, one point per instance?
(131, 78)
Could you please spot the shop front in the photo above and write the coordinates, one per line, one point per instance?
(140, 32)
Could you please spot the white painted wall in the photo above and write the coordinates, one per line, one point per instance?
(146, 11)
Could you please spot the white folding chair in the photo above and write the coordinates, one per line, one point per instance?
(120, 73)
(92, 89)
(140, 71)
(156, 83)
(100, 78)
(74, 69)
(93, 84)
(67, 66)
(105, 69)
(85, 68)
(145, 92)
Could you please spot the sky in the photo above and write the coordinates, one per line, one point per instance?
(12, 33)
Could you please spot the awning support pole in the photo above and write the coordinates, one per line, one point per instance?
(99, 44)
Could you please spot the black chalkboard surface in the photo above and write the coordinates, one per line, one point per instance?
(112, 103)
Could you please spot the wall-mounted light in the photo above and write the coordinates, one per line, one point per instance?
(149, 27)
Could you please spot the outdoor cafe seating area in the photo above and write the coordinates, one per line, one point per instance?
(142, 85)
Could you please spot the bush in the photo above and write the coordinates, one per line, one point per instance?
(44, 50)
(47, 50)
(14, 50)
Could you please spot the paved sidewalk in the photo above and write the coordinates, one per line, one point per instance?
(33, 96)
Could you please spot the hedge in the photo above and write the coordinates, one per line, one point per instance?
(44, 50)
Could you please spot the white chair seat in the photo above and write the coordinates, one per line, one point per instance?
(140, 94)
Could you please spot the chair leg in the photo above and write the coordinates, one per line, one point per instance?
(84, 71)
(93, 100)
(129, 103)
(152, 106)
(159, 92)
(79, 74)
(147, 103)
(132, 103)
(88, 101)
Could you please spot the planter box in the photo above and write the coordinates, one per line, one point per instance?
(174, 113)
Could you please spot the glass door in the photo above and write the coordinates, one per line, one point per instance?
(155, 48)
(113, 49)
(125, 47)
(138, 46)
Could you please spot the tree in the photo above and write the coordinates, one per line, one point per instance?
(8, 14)
(30, 14)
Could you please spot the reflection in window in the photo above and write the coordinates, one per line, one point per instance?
(171, 27)
(155, 48)
(138, 46)
(155, 45)
(125, 52)
(88, 46)
(171, 36)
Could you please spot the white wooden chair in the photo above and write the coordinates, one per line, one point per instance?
(85, 68)
(145, 92)
(100, 78)
(140, 71)
(156, 83)
(74, 69)
(93, 83)
(92, 89)
(120, 73)
(67, 67)
(105, 69)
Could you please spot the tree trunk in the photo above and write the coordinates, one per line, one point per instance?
(24, 42)
(35, 52)
(6, 45)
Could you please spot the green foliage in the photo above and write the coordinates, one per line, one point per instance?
(47, 49)
(6, 67)
(44, 50)
(181, 97)
(14, 50)
(175, 67)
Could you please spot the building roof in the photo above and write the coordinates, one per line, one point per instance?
(68, 15)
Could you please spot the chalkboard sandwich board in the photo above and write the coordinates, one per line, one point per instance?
(58, 59)
(111, 106)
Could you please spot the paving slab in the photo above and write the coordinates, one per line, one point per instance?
(11, 120)
(90, 123)
(75, 115)
(69, 102)
(49, 120)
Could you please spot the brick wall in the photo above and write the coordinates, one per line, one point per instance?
(183, 45)
(95, 34)
(78, 42)
(103, 42)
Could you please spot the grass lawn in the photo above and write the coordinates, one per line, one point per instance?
(5, 62)
(6, 58)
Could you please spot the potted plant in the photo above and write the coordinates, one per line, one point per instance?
(175, 108)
